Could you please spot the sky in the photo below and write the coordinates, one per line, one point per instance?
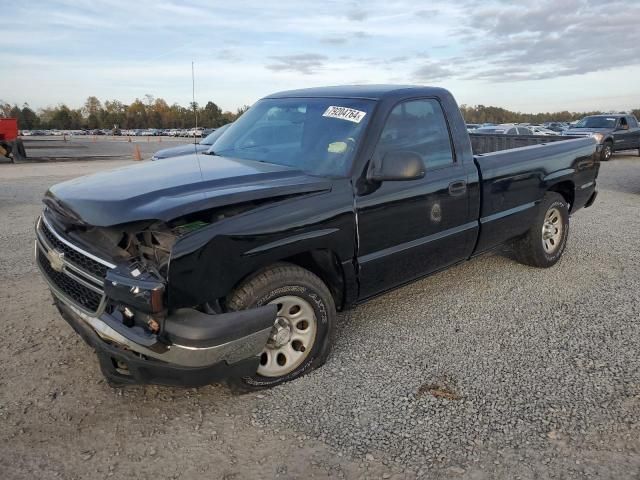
(575, 55)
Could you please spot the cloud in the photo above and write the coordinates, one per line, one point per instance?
(357, 14)
(432, 71)
(426, 13)
(334, 40)
(73, 48)
(361, 34)
(228, 54)
(305, 63)
(551, 40)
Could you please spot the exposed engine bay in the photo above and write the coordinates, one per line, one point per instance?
(147, 244)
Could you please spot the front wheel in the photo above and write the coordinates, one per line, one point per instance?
(301, 336)
(543, 245)
(607, 151)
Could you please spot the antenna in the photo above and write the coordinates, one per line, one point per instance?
(193, 96)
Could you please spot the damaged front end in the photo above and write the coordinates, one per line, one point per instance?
(110, 283)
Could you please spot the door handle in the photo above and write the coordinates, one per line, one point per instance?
(457, 188)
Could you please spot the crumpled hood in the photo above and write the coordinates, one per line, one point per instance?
(187, 149)
(174, 187)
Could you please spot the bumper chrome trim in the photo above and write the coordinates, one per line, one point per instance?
(186, 356)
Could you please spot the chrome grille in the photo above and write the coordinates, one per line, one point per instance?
(83, 296)
(80, 260)
(71, 272)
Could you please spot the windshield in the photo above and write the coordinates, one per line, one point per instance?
(213, 136)
(316, 135)
(597, 122)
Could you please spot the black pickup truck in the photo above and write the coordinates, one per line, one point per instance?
(231, 265)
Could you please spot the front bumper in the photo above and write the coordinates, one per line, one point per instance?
(192, 348)
(125, 361)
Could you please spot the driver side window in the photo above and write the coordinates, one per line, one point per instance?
(418, 126)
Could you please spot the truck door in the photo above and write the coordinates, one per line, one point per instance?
(634, 133)
(407, 229)
(622, 135)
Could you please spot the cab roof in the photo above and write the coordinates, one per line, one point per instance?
(370, 92)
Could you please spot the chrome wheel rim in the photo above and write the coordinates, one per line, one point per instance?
(291, 339)
(607, 152)
(552, 230)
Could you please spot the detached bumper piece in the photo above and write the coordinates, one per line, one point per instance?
(233, 353)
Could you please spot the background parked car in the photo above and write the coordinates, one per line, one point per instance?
(538, 130)
(151, 132)
(556, 126)
(505, 129)
(202, 146)
(614, 132)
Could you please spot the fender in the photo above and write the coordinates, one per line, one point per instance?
(208, 263)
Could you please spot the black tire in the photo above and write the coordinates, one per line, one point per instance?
(530, 249)
(607, 151)
(279, 280)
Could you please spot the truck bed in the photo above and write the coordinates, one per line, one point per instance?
(513, 180)
(487, 143)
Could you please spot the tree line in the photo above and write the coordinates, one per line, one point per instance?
(150, 112)
(484, 114)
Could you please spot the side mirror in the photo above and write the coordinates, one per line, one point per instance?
(397, 165)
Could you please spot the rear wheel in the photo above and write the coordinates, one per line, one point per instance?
(607, 151)
(301, 336)
(543, 245)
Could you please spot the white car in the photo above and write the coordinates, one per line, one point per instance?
(542, 131)
(504, 129)
(195, 132)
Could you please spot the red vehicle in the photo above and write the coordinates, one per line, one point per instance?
(11, 146)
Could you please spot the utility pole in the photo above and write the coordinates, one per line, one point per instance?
(193, 96)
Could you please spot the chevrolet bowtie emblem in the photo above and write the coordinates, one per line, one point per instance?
(56, 259)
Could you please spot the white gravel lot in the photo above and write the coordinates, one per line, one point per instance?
(488, 370)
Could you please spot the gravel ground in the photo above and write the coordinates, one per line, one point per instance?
(488, 370)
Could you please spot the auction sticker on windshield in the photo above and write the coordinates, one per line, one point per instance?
(344, 113)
